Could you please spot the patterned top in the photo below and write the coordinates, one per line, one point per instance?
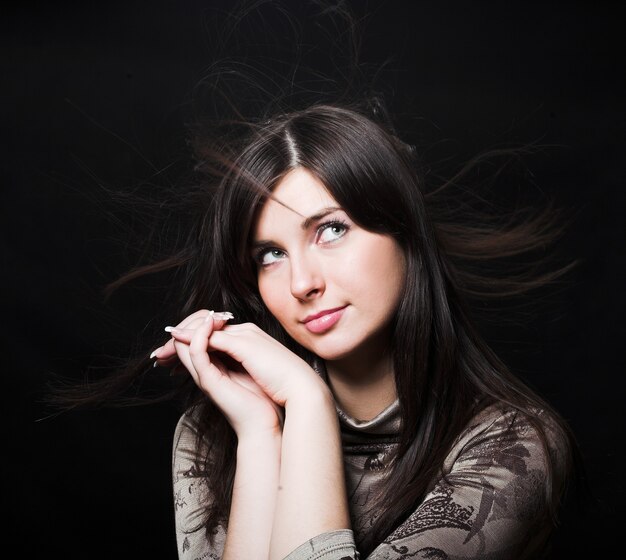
(489, 506)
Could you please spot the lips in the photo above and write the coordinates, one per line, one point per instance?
(324, 320)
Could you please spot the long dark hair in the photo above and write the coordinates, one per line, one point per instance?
(444, 370)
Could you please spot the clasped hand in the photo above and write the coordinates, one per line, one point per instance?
(248, 374)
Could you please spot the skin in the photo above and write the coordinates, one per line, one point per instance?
(332, 263)
(311, 257)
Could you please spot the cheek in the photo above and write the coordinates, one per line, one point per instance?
(385, 266)
(272, 295)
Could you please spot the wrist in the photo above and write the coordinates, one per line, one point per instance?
(254, 441)
(312, 395)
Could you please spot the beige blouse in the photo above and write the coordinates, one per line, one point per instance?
(489, 506)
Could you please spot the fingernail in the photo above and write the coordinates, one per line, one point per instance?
(154, 353)
(223, 315)
(171, 329)
(155, 364)
(209, 315)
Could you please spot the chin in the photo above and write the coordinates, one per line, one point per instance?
(333, 346)
(331, 352)
(365, 345)
(331, 356)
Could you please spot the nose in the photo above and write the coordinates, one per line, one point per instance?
(307, 278)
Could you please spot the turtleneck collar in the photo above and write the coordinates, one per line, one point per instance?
(385, 423)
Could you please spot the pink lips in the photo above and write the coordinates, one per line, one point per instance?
(323, 321)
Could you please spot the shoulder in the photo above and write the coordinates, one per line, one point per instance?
(188, 424)
(192, 492)
(502, 439)
(494, 496)
(189, 447)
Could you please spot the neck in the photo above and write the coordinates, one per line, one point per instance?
(363, 385)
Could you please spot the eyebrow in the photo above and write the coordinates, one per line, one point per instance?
(306, 224)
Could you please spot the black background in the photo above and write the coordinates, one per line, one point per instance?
(98, 93)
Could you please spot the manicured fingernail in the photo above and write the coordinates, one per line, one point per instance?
(171, 329)
(154, 353)
(223, 315)
(209, 315)
(155, 364)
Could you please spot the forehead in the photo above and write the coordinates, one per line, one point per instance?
(298, 195)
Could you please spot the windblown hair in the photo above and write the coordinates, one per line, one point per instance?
(444, 371)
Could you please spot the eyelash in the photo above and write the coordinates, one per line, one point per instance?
(258, 257)
(329, 224)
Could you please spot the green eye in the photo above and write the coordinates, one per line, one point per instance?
(269, 256)
(331, 231)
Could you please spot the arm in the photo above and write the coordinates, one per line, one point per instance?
(254, 497)
(490, 500)
(252, 507)
(489, 503)
(256, 421)
(191, 494)
(312, 494)
(313, 497)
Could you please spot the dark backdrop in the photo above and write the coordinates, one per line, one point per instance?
(97, 93)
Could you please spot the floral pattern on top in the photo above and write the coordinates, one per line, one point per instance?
(488, 504)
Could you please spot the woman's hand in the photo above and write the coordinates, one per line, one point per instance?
(241, 349)
(281, 374)
(254, 417)
(247, 373)
(245, 405)
(166, 355)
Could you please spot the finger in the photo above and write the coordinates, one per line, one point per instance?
(209, 375)
(167, 350)
(181, 335)
(184, 334)
(218, 323)
(248, 383)
(220, 318)
(182, 352)
(180, 346)
(164, 352)
(200, 328)
(233, 343)
(200, 314)
(189, 323)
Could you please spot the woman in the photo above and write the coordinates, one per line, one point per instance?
(344, 405)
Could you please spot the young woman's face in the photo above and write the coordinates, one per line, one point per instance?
(332, 285)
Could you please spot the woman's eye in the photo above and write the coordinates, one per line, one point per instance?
(269, 256)
(330, 232)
